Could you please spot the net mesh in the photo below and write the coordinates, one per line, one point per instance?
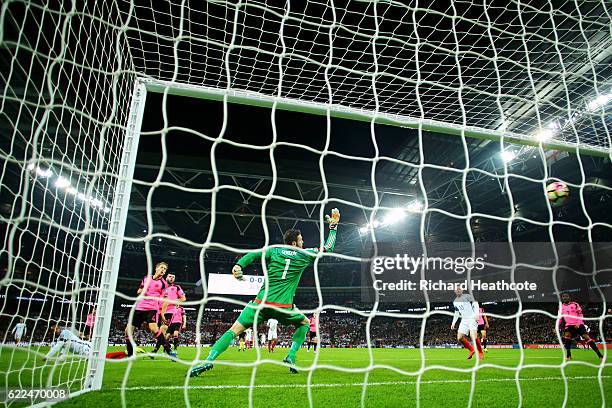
(506, 68)
(516, 68)
(63, 117)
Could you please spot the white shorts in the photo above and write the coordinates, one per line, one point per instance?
(467, 325)
(81, 349)
(272, 335)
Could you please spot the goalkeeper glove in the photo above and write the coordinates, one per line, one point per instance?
(237, 272)
(334, 219)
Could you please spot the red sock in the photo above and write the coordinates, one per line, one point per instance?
(269, 346)
(467, 344)
(116, 355)
(478, 346)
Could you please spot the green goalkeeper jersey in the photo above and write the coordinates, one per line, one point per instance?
(285, 266)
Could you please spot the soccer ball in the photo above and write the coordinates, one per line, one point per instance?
(557, 192)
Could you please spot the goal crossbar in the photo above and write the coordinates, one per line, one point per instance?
(343, 112)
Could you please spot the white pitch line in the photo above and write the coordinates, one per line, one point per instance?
(323, 360)
(222, 387)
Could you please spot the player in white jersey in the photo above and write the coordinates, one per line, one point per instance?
(262, 340)
(272, 334)
(249, 338)
(68, 340)
(467, 308)
(19, 331)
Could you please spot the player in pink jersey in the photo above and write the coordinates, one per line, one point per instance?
(571, 324)
(177, 324)
(483, 326)
(89, 324)
(146, 310)
(312, 332)
(172, 295)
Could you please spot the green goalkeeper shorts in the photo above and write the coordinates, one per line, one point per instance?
(284, 316)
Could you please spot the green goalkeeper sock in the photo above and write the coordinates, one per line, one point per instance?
(221, 345)
(298, 339)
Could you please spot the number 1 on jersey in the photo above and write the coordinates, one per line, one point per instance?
(287, 263)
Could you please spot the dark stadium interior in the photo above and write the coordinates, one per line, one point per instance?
(177, 215)
(238, 222)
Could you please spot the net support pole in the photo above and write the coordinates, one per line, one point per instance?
(112, 258)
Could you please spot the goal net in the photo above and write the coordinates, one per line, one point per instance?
(480, 95)
(67, 86)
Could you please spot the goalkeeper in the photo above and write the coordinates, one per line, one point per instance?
(285, 265)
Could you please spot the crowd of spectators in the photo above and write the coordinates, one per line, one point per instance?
(339, 328)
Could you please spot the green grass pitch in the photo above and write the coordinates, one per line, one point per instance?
(391, 383)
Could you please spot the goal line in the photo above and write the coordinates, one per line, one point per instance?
(360, 384)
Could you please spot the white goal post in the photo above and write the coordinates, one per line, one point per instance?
(112, 259)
